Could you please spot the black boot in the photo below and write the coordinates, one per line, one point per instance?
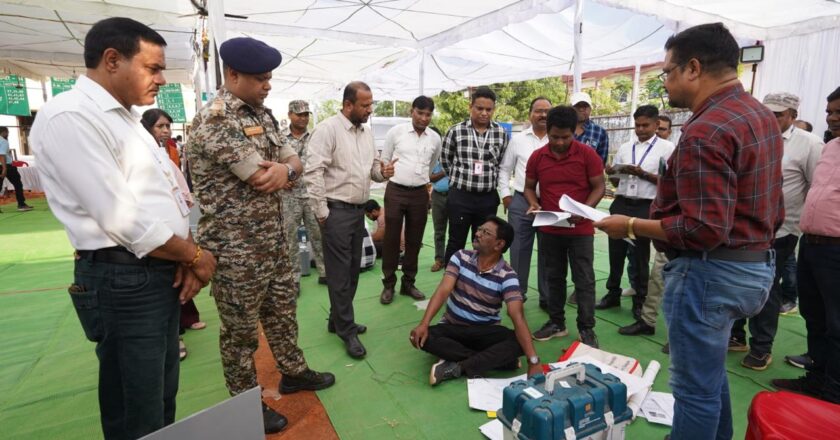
(273, 421)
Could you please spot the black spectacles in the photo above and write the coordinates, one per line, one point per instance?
(665, 72)
(485, 231)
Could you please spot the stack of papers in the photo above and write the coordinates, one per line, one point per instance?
(552, 218)
(486, 394)
(659, 408)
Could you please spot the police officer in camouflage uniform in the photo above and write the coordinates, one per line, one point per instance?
(296, 207)
(239, 162)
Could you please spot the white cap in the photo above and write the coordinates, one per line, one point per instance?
(581, 97)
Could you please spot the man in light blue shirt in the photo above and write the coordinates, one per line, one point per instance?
(10, 171)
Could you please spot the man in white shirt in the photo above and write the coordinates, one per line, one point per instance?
(516, 157)
(406, 199)
(802, 152)
(635, 171)
(124, 212)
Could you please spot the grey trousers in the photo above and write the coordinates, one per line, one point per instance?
(523, 246)
(440, 220)
(342, 236)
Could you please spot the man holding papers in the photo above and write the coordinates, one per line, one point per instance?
(566, 167)
(635, 172)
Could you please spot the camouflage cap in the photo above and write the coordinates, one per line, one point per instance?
(298, 106)
(779, 102)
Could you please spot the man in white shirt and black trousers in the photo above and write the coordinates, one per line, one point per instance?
(635, 172)
(107, 181)
(406, 196)
(516, 158)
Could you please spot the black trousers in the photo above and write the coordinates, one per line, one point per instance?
(478, 348)
(467, 210)
(618, 250)
(14, 176)
(561, 252)
(764, 325)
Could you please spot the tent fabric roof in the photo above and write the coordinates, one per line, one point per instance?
(326, 43)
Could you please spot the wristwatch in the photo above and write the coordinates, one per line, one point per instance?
(293, 175)
(534, 360)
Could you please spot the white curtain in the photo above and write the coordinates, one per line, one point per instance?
(807, 66)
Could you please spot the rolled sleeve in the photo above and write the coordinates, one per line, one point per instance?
(246, 167)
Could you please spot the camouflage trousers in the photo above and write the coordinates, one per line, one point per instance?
(295, 211)
(251, 289)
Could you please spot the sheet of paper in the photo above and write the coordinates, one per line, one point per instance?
(576, 208)
(486, 394)
(633, 383)
(494, 430)
(659, 408)
(551, 218)
(422, 305)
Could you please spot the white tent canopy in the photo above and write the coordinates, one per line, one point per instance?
(326, 43)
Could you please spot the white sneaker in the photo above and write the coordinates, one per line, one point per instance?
(628, 292)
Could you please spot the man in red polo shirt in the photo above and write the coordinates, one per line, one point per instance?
(566, 166)
(715, 215)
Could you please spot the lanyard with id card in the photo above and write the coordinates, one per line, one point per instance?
(478, 165)
(631, 188)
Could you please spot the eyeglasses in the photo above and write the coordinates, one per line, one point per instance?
(485, 231)
(665, 72)
(662, 129)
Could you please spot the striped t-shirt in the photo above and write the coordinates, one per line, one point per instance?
(477, 297)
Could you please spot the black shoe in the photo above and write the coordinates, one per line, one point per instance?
(666, 348)
(309, 380)
(637, 328)
(387, 295)
(572, 299)
(412, 292)
(550, 330)
(587, 336)
(444, 370)
(801, 361)
(755, 361)
(809, 384)
(273, 421)
(736, 344)
(608, 302)
(24, 208)
(354, 347)
(360, 328)
(322, 280)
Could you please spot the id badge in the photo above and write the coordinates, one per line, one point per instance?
(633, 188)
(182, 202)
(478, 168)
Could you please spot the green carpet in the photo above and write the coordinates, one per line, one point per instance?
(48, 371)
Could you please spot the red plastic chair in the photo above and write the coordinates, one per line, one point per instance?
(788, 416)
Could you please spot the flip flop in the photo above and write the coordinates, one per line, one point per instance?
(198, 325)
(182, 349)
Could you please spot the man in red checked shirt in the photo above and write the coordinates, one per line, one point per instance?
(715, 215)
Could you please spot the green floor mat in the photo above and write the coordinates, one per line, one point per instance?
(48, 371)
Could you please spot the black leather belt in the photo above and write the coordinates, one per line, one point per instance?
(634, 202)
(337, 204)
(121, 255)
(724, 254)
(820, 239)
(406, 187)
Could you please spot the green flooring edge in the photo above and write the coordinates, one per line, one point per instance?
(48, 371)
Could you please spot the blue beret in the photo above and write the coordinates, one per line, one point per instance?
(248, 55)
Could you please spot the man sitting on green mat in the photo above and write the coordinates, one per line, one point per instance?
(469, 339)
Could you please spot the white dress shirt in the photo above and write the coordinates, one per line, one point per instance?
(104, 176)
(417, 154)
(802, 152)
(660, 150)
(516, 158)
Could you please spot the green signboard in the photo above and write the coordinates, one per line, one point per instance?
(13, 99)
(61, 85)
(171, 100)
